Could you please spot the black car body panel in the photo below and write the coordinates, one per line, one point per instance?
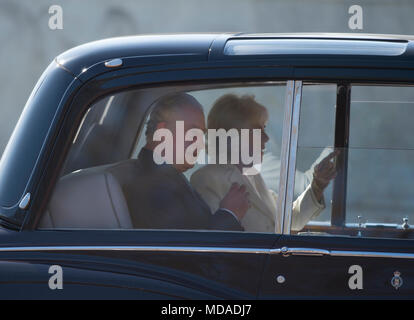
(135, 265)
(176, 264)
(87, 60)
(33, 130)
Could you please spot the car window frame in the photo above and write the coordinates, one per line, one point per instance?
(114, 81)
(342, 118)
(86, 97)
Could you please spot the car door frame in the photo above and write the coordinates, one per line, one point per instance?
(237, 258)
(118, 80)
(294, 258)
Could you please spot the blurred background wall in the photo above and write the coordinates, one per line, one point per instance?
(28, 44)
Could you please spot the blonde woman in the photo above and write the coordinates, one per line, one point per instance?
(213, 180)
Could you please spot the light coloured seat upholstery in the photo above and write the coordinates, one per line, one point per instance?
(90, 198)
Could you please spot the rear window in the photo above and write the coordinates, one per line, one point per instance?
(313, 46)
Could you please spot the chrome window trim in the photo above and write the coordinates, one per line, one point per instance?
(289, 149)
(371, 254)
(290, 85)
(286, 252)
(136, 248)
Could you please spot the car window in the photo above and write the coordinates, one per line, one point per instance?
(381, 156)
(315, 142)
(370, 194)
(117, 174)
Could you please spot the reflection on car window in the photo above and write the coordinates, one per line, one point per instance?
(381, 155)
(315, 151)
(201, 158)
(373, 197)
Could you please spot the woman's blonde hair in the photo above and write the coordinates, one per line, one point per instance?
(232, 111)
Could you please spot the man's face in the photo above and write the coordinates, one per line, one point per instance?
(193, 118)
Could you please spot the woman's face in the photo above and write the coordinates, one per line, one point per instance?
(264, 137)
(254, 147)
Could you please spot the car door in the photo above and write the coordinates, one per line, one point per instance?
(338, 267)
(114, 262)
(361, 244)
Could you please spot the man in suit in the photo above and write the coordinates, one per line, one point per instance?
(158, 195)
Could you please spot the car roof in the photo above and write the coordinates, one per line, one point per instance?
(89, 54)
(203, 46)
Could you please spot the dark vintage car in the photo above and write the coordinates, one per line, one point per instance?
(66, 229)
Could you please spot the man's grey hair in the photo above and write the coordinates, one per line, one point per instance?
(166, 106)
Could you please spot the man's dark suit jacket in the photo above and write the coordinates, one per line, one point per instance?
(160, 197)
